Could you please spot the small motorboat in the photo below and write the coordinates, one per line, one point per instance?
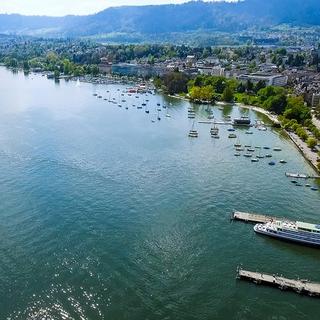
(249, 132)
(231, 130)
(232, 136)
(294, 181)
(248, 155)
(251, 150)
(237, 154)
(308, 185)
(314, 189)
(272, 163)
(268, 155)
(283, 161)
(266, 148)
(277, 149)
(254, 160)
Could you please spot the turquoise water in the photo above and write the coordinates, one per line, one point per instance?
(107, 215)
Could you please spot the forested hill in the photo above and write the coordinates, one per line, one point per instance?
(191, 16)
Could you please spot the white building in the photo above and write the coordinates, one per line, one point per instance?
(277, 80)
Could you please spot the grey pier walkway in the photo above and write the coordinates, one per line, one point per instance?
(299, 286)
(253, 217)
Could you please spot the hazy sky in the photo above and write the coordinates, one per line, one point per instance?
(63, 7)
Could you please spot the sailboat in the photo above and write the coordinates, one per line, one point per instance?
(214, 131)
(193, 133)
(238, 144)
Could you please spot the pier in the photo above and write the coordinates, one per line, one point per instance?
(253, 217)
(300, 176)
(299, 285)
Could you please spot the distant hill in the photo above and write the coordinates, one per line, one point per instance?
(164, 19)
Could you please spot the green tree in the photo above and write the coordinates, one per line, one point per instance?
(228, 94)
(312, 142)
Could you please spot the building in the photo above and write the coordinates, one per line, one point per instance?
(277, 80)
(212, 71)
(105, 65)
(315, 99)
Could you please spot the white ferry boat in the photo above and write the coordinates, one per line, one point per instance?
(299, 232)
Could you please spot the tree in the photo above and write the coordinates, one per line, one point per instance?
(312, 142)
(296, 109)
(176, 82)
(228, 94)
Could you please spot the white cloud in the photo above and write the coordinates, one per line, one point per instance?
(64, 7)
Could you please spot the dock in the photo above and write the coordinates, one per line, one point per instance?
(253, 217)
(299, 285)
(300, 176)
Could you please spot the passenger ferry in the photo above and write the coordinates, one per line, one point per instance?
(299, 232)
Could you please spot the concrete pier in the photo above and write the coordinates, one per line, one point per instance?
(253, 217)
(299, 285)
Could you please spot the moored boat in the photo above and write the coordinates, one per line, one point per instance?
(299, 232)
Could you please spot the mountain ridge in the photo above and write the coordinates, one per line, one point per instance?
(157, 19)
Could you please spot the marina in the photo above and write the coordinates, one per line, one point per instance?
(297, 285)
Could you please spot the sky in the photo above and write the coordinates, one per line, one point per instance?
(64, 7)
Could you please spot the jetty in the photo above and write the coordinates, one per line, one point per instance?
(253, 217)
(301, 176)
(299, 285)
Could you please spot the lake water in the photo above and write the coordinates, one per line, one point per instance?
(107, 215)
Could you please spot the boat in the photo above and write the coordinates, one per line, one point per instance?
(168, 115)
(193, 133)
(248, 155)
(237, 154)
(272, 163)
(238, 144)
(214, 131)
(251, 150)
(232, 136)
(314, 189)
(254, 160)
(308, 185)
(283, 161)
(268, 155)
(239, 149)
(243, 121)
(299, 232)
(260, 156)
(262, 129)
(95, 94)
(249, 132)
(277, 149)
(147, 111)
(266, 148)
(231, 130)
(191, 114)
